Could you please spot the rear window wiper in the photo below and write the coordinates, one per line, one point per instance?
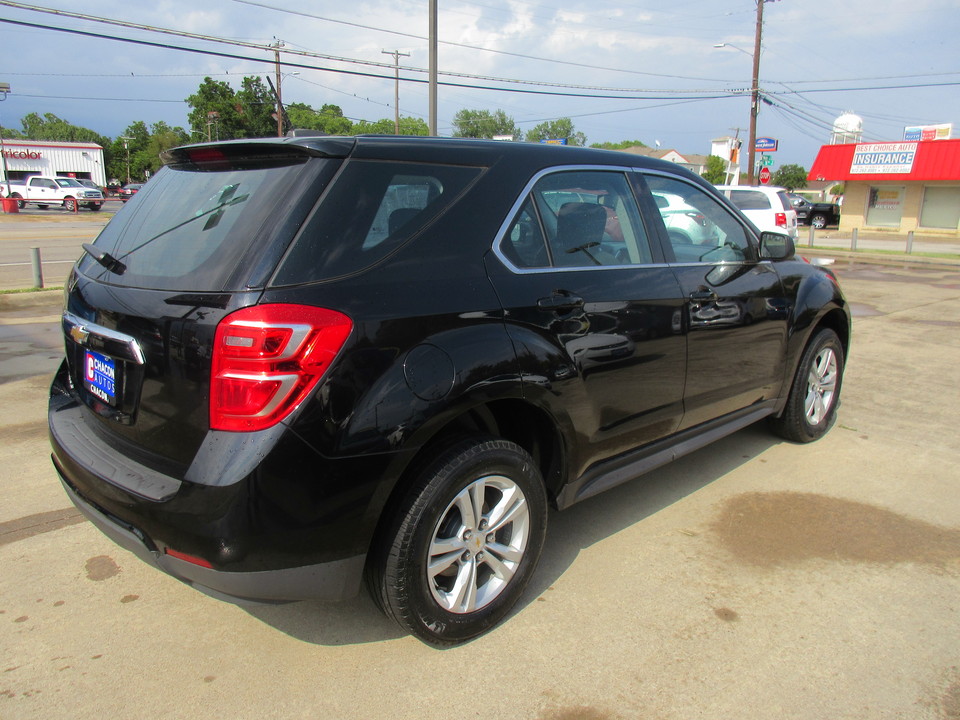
(104, 258)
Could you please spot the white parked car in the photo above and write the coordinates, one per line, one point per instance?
(768, 207)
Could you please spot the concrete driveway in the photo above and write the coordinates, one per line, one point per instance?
(753, 579)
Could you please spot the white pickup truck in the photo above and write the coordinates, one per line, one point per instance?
(46, 191)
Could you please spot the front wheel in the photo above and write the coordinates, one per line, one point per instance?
(94, 206)
(815, 393)
(464, 544)
(819, 221)
(69, 204)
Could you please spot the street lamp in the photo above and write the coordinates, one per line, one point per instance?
(127, 148)
(4, 90)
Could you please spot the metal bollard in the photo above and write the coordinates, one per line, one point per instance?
(810, 242)
(909, 242)
(853, 240)
(37, 268)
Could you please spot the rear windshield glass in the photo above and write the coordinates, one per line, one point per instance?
(749, 200)
(190, 226)
(370, 210)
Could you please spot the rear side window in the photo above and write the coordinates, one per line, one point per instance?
(749, 200)
(190, 227)
(784, 200)
(372, 209)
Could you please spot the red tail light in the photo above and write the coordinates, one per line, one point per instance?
(267, 359)
(781, 219)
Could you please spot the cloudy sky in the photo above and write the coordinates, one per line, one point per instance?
(893, 63)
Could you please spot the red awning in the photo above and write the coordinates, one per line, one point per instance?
(933, 160)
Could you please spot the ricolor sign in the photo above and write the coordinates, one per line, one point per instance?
(22, 154)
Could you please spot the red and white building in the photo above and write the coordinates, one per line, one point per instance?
(23, 158)
(895, 187)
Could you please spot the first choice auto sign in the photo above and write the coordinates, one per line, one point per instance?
(883, 158)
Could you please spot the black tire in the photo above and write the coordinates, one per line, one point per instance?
(818, 221)
(815, 394)
(94, 206)
(480, 511)
(69, 204)
(20, 203)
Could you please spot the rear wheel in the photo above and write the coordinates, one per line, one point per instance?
(819, 221)
(815, 393)
(465, 543)
(20, 203)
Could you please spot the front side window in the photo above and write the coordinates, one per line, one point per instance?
(699, 227)
(585, 218)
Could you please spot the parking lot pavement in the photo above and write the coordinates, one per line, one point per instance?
(753, 579)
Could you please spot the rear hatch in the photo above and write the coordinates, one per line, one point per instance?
(195, 244)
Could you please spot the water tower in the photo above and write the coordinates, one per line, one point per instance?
(848, 128)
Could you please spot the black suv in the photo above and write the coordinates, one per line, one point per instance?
(294, 363)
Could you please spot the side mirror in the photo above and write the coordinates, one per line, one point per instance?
(776, 246)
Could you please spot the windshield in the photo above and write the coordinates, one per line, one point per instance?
(191, 228)
(68, 182)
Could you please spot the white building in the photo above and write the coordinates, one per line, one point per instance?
(23, 158)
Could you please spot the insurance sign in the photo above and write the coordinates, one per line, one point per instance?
(883, 158)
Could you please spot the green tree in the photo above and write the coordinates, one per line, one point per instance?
(328, 119)
(220, 113)
(716, 171)
(386, 126)
(559, 129)
(484, 124)
(622, 145)
(50, 127)
(257, 108)
(792, 177)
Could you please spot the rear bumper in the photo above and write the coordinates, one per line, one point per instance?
(335, 580)
(266, 516)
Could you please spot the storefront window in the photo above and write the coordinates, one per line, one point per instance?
(941, 208)
(885, 206)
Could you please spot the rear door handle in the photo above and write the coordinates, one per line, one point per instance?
(560, 301)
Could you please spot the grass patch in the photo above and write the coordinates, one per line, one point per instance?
(20, 291)
(891, 253)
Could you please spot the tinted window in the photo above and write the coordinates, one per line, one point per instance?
(699, 227)
(372, 209)
(578, 219)
(749, 200)
(192, 224)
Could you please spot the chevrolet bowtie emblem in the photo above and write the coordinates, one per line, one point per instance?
(79, 334)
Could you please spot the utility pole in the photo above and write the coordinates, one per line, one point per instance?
(755, 95)
(433, 66)
(276, 51)
(396, 87)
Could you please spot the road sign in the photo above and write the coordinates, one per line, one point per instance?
(766, 160)
(766, 143)
(765, 176)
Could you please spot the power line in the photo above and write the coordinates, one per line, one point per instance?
(658, 96)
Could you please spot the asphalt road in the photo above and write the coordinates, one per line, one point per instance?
(753, 579)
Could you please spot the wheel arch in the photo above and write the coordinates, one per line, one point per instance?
(512, 419)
